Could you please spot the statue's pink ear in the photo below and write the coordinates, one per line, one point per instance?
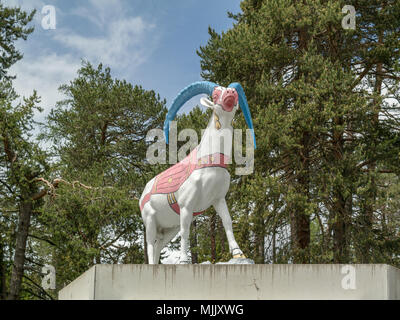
(207, 103)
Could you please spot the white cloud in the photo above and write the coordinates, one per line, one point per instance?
(44, 74)
(123, 44)
(125, 41)
(99, 12)
(107, 9)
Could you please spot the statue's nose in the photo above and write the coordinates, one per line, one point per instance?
(229, 99)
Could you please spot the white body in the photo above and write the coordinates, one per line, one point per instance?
(204, 188)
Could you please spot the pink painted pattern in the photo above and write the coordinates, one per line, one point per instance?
(170, 180)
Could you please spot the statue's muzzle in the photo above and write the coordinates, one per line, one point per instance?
(227, 98)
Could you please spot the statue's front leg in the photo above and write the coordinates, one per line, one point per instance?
(222, 210)
(186, 217)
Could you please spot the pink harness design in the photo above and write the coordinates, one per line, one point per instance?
(169, 181)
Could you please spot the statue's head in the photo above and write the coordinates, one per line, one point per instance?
(225, 101)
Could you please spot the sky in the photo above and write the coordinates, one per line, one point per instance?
(151, 43)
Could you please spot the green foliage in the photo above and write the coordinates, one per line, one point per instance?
(99, 138)
(89, 226)
(13, 26)
(314, 90)
(22, 162)
(103, 122)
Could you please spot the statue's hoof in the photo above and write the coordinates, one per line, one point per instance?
(239, 256)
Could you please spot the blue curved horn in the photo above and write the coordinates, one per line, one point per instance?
(186, 94)
(245, 108)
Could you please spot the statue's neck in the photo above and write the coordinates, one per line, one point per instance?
(217, 137)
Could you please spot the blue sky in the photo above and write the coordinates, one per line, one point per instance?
(151, 43)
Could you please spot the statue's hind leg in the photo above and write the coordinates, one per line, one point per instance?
(163, 239)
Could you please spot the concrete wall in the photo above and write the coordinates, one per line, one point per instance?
(82, 288)
(199, 282)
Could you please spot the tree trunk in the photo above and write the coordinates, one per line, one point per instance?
(222, 236)
(300, 220)
(339, 231)
(193, 243)
(274, 245)
(339, 208)
(25, 212)
(260, 239)
(300, 232)
(146, 257)
(371, 194)
(2, 273)
(212, 237)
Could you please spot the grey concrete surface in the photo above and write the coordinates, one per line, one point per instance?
(238, 282)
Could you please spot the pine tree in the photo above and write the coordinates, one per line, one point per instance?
(308, 82)
(13, 26)
(22, 162)
(98, 134)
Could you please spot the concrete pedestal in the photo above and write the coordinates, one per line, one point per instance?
(236, 282)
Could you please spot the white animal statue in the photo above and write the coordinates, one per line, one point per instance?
(171, 199)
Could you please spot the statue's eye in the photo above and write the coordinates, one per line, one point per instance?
(215, 96)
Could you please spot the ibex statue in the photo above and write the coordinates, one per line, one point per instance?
(171, 199)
